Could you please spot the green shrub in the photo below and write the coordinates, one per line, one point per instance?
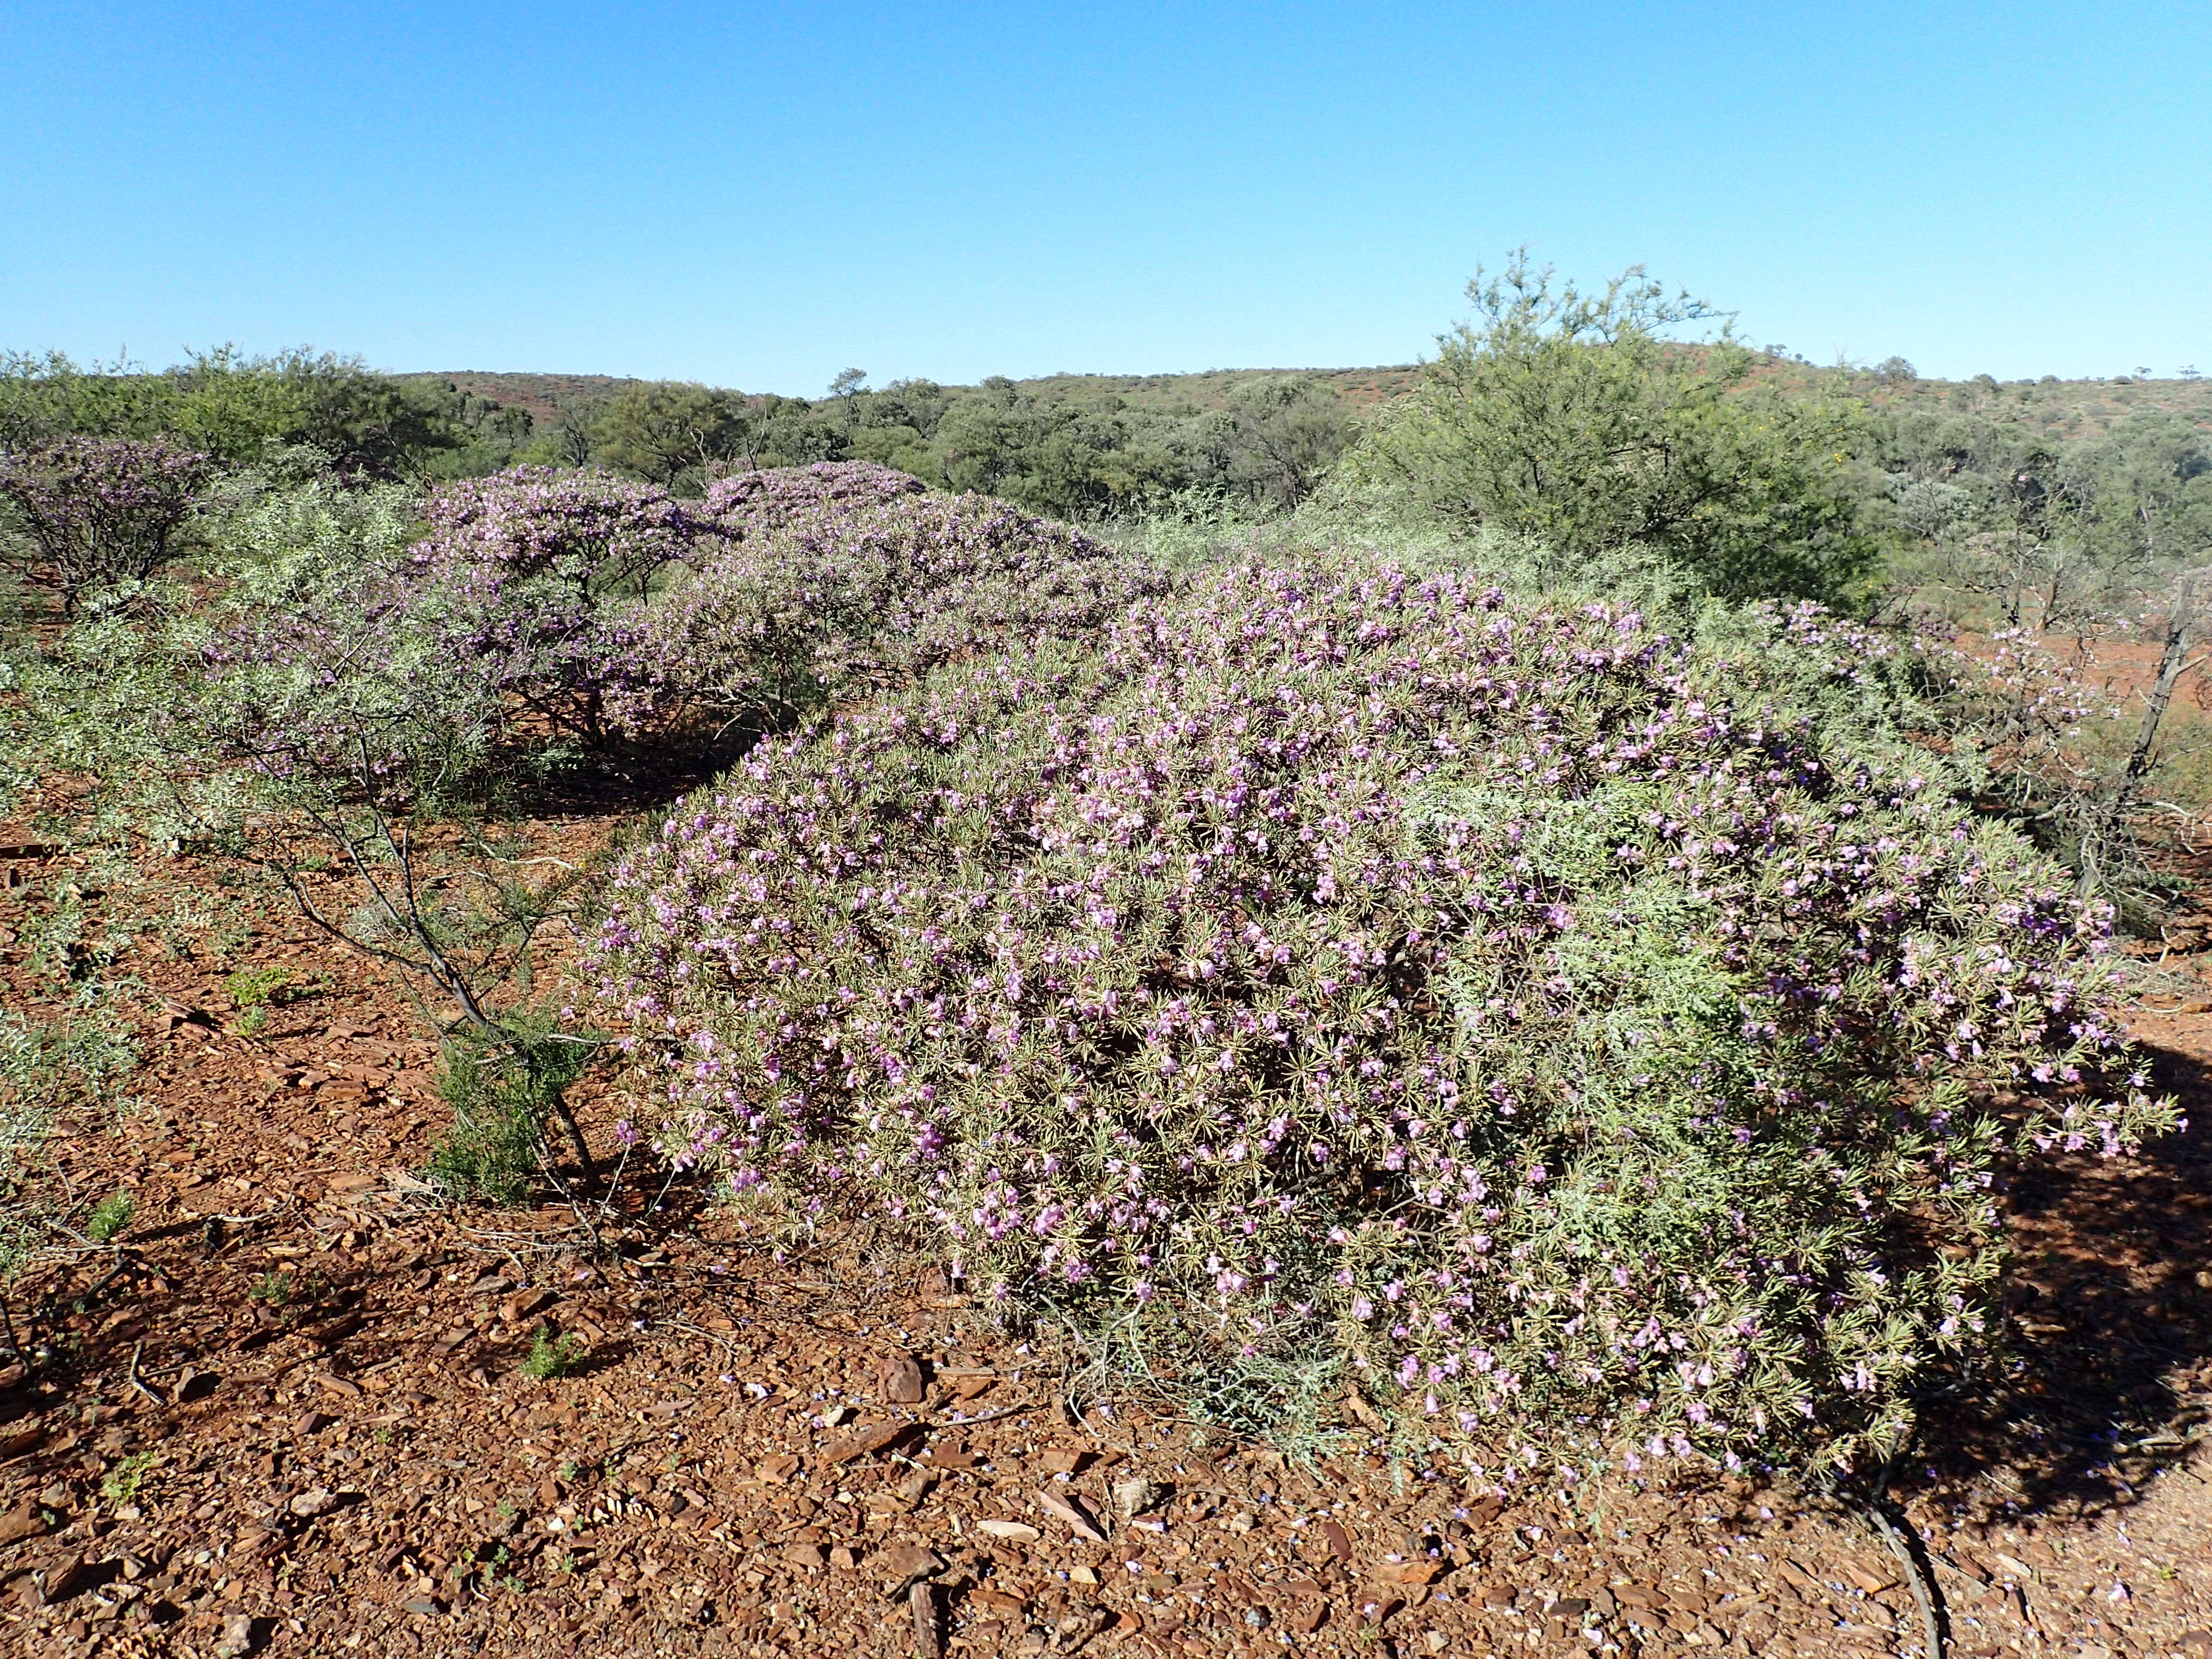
(1573, 419)
(502, 1087)
(1610, 1054)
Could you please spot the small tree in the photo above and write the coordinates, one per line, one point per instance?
(1286, 435)
(1572, 419)
(663, 430)
(101, 510)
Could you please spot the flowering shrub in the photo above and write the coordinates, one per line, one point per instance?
(1612, 1062)
(526, 568)
(591, 531)
(773, 498)
(837, 577)
(101, 510)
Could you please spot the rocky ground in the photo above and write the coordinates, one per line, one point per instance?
(291, 1409)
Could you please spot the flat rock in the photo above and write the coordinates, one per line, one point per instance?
(523, 1303)
(1019, 1532)
(867, 1442)
(1409, 1572)
(25, 1521)
(899, 1380)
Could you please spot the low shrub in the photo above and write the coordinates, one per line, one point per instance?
(100, 511)
(110, 1216)
(1608, 1059)
(503, 1087)
(551, 1357)
(836, 579)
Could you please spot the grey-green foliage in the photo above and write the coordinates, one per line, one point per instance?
(291, 650)
(1575, 420)
(271, 544)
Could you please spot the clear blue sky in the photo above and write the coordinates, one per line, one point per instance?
(758, 195)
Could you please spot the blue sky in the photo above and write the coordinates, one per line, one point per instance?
(758, 195)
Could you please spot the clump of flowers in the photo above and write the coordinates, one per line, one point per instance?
(1613, 1061)
(103, 510)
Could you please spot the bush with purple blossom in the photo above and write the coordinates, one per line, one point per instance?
(1604, 1061)
(832, 580)
(766, 499)
(101, 511)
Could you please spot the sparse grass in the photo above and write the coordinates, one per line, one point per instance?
(110, 1216)
(121, 1484)
(273, 1290)
(257, 987)
(76, 1061)
(551, 1355)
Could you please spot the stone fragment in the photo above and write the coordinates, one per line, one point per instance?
(867, 1442)
(65, 1577)
(238, 1638)
(904, 1561)
(1134, 1496)
(316, 1500)
(1871, 1582)
(1019, 1532)
(1066, 1509)
(805, 1555)
(1409, 1572)
(523, 1303)
(899, 1380)
(25, 1521)
(928, 1633)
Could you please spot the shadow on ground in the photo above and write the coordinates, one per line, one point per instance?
(2109, 1302)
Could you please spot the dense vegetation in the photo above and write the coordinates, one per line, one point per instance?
(1513, 900)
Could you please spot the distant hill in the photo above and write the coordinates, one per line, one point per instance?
(2062, 410)
(543, 395)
